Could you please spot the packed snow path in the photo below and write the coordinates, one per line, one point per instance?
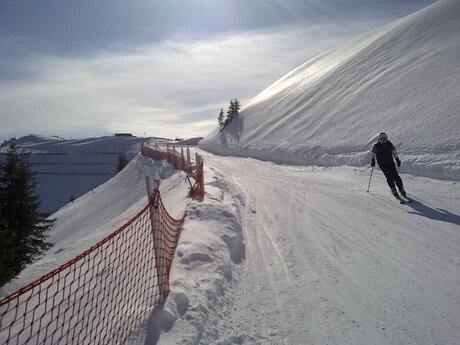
(328, 263)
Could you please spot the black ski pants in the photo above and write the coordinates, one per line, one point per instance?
(390, 172)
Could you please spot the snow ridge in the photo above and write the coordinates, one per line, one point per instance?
(403, 78)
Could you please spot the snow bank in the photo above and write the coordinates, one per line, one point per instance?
(403, 78)
(206, 266)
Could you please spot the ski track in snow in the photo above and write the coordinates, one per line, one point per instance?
(327, 262)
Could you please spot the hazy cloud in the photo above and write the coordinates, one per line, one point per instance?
(171, 83)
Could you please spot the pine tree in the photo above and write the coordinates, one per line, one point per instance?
(22, 226)
(230, 115)
(7, 271)
(236, 107)
(122, 162)
(220, 119)
(232, 112)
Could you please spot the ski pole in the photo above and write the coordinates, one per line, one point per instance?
(370, 178)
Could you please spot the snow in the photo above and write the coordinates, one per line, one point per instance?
(300, 253)
(327, 262)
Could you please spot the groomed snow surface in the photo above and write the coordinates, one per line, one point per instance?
(322, 262)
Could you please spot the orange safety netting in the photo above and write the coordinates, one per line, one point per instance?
(103, 294)
(180, 162)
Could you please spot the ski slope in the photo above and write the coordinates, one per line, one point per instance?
(325, 261)
(284, 254)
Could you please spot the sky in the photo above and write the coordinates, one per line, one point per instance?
(79, 69)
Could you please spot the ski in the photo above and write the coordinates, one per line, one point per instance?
(407, 199)
(401, 200)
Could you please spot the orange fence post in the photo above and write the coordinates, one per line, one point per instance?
(153, 186)
(188, 163)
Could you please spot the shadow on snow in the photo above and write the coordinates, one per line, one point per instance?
(433, 213)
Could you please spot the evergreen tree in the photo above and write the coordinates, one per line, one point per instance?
(232, 112)
(22, 226)
(7, 271)
(122, 161)
(220, 119)
(236, 107)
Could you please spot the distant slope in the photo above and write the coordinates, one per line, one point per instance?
(403, 78)
(109, 144)
(68, 169)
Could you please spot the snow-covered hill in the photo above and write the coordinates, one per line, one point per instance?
(68, 169)
(35, 143)
(403, 78)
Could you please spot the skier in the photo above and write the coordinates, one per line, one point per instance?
(384, 151)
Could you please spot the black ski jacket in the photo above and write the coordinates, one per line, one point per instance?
(384, 153)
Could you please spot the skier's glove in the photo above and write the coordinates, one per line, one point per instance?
(373, 162)
(398, 162)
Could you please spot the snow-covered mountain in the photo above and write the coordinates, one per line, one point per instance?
(403, 78)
